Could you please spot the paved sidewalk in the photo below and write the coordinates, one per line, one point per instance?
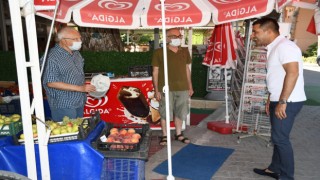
(252, 152)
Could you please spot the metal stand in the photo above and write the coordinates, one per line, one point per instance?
(256, 124)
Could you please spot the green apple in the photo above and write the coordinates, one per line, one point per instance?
(22, 136)
(1, 121)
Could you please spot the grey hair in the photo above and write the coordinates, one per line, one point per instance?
(62, 32)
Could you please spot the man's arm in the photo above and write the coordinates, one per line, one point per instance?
(71, 87)
(155, 78)
(189, 80)
(292, 74)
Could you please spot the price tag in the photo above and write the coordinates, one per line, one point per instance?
(103, 138)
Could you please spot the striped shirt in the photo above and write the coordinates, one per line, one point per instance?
(61, 66)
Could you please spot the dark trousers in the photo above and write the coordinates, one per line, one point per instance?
(282, 158)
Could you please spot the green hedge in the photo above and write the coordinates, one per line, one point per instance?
(116, 62)
(8, 70)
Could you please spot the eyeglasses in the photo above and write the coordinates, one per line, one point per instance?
(74, 39)
(175, 37)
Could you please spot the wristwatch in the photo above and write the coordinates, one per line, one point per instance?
(282, 101)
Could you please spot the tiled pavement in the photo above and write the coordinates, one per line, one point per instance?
(251, 152)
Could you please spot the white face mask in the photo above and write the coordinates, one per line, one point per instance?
(75, 46)
(175, 42)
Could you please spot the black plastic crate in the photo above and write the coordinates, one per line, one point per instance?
(10, 108)
(140, 71)
(125, 150)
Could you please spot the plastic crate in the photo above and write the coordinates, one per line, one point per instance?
(10, 108)
(123, 169)
(84, 128)
(11, 129)
(137, 151)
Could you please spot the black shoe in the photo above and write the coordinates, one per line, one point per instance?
(264, 172)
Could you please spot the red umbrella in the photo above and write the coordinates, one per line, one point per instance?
(221, 53)
(228, 11)
(180, 13)
(221, 49)
(127, 14)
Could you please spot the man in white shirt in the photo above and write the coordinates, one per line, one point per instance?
(286, 94)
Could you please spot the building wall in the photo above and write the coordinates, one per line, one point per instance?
(304, 38)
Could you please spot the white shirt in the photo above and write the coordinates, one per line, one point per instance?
(282, 51)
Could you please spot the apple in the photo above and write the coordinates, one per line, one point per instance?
(110, 139)
(1, 121)
(134, 140)
(69, 124)
(136, 135)
(128, 136)
(123, 131)
(126, 141)
(114, 130)
(131, 131)
(21, 136)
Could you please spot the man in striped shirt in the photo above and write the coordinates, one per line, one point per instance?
(63, 76)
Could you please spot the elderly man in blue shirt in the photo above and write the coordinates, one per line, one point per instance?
(63, 77)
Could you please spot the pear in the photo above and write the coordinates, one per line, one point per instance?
(15, 119)
(34, 130)
(22, 136)
(7, 120)
(16, 116)
(56, 131)
(75, 128)
(63, 131)
(69, 129)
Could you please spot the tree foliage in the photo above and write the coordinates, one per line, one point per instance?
(311, 51)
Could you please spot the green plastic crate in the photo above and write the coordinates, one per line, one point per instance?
(11, 129)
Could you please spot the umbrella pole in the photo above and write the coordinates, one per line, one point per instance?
(226, 94)
(166, 91)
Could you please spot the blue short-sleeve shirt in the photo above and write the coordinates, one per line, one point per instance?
(61, 66)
